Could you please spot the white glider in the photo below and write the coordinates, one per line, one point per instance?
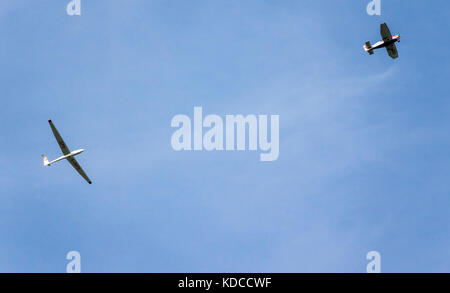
(68, 155)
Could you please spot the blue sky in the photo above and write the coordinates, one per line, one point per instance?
(364, 140)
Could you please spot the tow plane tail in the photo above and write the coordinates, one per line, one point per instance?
(368, 48)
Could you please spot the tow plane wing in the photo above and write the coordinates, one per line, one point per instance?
(392, 51)
(385, 32)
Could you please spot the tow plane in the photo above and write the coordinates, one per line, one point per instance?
(388, 42)
(67, 154)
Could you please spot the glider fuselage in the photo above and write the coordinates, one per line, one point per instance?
(72, 154)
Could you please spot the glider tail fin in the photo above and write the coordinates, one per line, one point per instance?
(46, 162)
